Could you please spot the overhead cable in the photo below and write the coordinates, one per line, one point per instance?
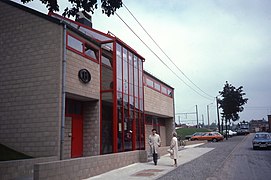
(165, 53)
(160, 58)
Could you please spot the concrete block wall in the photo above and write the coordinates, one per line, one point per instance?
(30, 76)
(75, 63)
(169, 128)
(163, 136)
(21, 169)
(67, 138)
(80, 168)
(158, 103)
(91, 128)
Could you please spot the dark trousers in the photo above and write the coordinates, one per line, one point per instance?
(155, 157)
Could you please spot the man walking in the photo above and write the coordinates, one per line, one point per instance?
(154, 142)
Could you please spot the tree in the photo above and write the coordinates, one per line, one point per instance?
(232, 102)
(108, 6)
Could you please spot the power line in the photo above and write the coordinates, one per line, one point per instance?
(165, 53)
(159, 57)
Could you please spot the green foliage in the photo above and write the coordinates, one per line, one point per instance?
(108, 6)
(189, 131)
(232, 101)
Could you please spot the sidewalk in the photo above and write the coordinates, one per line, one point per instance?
(144, 171)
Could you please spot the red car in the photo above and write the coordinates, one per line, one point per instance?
(209, 136)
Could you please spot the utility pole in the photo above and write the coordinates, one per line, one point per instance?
(179, 118)
(208, 117)
(197, 116)
(217, 111)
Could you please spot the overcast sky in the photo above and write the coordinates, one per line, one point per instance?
(211, 42)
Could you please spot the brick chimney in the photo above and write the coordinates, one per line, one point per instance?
(84, 18)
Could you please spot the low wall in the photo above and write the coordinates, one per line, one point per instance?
(19, 169)
(80, 168)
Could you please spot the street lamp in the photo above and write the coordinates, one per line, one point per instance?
(208, 115)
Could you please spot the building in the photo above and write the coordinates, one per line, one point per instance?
(259, 126)
(72, 96)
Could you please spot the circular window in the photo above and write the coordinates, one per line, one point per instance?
(84, 75)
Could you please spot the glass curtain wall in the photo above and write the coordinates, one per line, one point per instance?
(130, 117)
(107, 98)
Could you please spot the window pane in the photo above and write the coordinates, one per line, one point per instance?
(125, 87)
(169, 92)
(141, 104)
(75, 43)
(136, 102)
(125, 74)
(130, 57)
(140, 64)
(118, 50)
(91, 52)
(136, 91)
(119, 67)
(119, 71)
(135, 62)
(128, 131)
(125, 100)
(157, 86)
(135, 77)
(131, 79)
(140, 79)
(107, 73)
(131, 101)
(106, 61)
(141, 92)
(119, 85)
(149, 82)
(107, 116)
(164, 90)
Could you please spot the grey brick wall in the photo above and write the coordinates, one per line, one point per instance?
(80, 168)
(91, 129)
(67, 138)
(21, 169)
(30, 76)
(169, 130)
(155, 102)
(75, 63)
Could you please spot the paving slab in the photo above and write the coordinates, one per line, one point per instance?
(147, 171)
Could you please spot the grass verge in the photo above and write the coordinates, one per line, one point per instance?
(189, 131)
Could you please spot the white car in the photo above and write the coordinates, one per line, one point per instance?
(230, 133)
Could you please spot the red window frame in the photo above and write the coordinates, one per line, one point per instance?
(147, 78)
(84, 43)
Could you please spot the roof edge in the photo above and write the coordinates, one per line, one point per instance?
(31, 11)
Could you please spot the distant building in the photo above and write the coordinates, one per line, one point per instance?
(259, 126)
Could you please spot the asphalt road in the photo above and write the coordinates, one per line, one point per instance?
(232, 159)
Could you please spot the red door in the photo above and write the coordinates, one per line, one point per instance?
(77, 136)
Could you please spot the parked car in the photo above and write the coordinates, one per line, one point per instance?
(230, 133)
(195, 134)
(209, 136)
(261, 140)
